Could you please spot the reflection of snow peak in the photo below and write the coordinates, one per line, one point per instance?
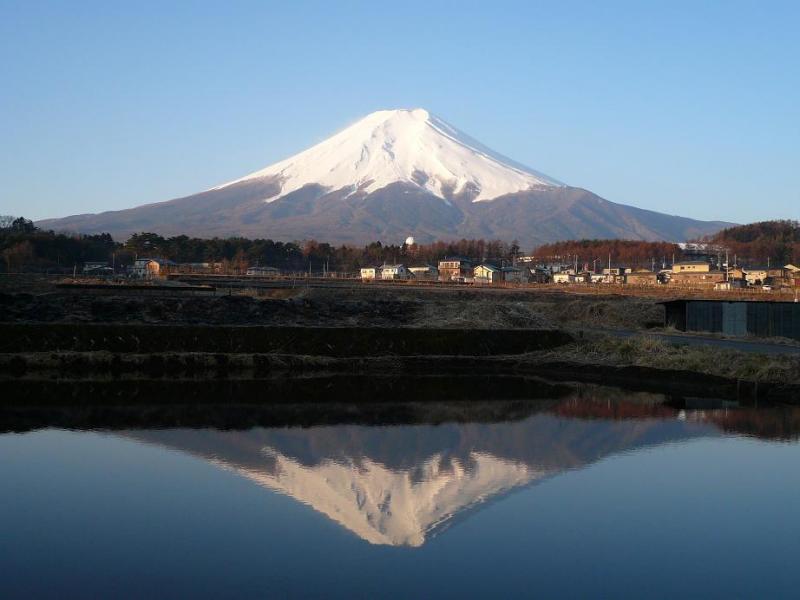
(391, 507)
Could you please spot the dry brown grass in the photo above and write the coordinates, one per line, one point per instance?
(490, 315)
(650, 351)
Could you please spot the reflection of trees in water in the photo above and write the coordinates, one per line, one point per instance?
(613, 410)
(428, 400)
(768, 424)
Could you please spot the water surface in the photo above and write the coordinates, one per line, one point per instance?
(606, 494)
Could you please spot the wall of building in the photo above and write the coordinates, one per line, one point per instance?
(762, 319)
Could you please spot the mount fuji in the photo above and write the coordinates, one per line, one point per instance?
(392, 174)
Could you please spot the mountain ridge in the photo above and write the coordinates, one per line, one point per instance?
(390, 175)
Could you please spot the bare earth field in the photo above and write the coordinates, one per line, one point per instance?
(32, 299)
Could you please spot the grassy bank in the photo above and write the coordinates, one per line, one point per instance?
(652, 352)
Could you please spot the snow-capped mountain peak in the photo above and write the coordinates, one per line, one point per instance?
(393, 174)
(408, 146)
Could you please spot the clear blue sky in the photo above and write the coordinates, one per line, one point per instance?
(690, 108)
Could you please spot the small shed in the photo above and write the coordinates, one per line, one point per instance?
(738, 318)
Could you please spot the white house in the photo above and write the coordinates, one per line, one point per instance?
(148, 268)
(370, 273)
(563, 277)
(487, 274)
(395, 272)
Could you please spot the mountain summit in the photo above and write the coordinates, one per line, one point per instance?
(402, 146)
(392, 174)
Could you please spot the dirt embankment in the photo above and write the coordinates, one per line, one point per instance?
(373, 311)
(349, 307)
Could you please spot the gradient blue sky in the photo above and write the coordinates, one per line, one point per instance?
(689, 108)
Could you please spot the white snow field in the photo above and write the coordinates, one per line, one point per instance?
(409, 146)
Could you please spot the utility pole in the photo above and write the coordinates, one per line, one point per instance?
(727, 268)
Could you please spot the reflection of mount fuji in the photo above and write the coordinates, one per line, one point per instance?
(401, 485)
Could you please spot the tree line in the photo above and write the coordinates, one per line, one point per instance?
(631, 253)
(776, 241)
(23, 246)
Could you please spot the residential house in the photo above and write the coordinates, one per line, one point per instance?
(691, 266)
(395, 272)
(731, 284)
(97, 268)
(455, 268)
(487, 273)
(370, 273)
(792, 275)
(516, 274)
(149, 268)
(564, 277)
(755, 276)
(777, 278)
(641, 277)
(425, 272)
(697, 278)
(541, 275)
(735, 272)
(615, 274)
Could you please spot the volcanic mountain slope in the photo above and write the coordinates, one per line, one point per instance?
(392, 174)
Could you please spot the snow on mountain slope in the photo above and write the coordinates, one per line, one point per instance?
(393, 174)
(409, 146)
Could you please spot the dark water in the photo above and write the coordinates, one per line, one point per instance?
(595, 493)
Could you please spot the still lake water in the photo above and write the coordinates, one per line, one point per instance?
(594, 494)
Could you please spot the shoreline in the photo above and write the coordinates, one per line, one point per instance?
(26, 376)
